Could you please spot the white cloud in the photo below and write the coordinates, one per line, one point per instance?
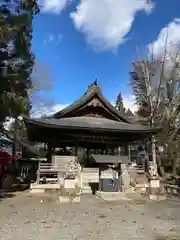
(47, 111)
(129, 102)
(169, 32)
(107, 22)
(55, 6)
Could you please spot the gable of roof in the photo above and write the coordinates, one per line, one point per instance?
(93, 92)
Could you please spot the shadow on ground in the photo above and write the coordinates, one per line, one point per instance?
(94, 187)
(6, 195)
(171, 237)
(11, 192)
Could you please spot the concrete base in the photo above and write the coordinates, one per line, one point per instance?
(129, 190)
(65, 199)
(157, 197)
(141, 187)
(37, 191)
(111, 196)
(45, 186)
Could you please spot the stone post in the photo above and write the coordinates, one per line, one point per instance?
(153, 167)
(154, 189)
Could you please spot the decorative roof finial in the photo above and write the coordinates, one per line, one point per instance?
(95, 82)
(92, 85)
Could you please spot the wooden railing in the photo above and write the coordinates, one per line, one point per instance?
(52, 173)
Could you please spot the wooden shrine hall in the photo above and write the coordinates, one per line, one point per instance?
(91, 122)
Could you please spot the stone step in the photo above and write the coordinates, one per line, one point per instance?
(94, 170)
(86, 185)
(86, 192)
(45, 186)
(91, 181)
(141, 187)
(91, 170)
(90, 175)
(86, 189)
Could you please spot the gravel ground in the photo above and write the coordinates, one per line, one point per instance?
(25, 217)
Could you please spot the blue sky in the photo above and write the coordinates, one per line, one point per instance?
(78, 41)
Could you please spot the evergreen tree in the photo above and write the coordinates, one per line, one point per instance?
(119, 103)
(16, 58)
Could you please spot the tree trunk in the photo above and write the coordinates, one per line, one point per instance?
(153, 149)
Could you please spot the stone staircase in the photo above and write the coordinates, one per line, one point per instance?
(138, 178)
(90, 176)
(91, 179)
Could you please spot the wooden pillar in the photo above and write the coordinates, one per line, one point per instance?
(119, 150)
(129, 152)
(100, 178)
(107, 149)
(112, 151)
(49, 153)
(120, 177)
(76, 152)
(88, 156)
(126, 149)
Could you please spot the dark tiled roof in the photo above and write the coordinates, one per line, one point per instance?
(95, 91)
(98, 158)
(92, 123)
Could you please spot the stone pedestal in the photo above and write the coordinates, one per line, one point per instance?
(70, 183)
(126, 181)
(154, 186)
(155, 190)
(111, 196)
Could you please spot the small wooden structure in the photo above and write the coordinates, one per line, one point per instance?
(110, 172)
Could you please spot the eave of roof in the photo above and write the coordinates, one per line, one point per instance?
(89, 123)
